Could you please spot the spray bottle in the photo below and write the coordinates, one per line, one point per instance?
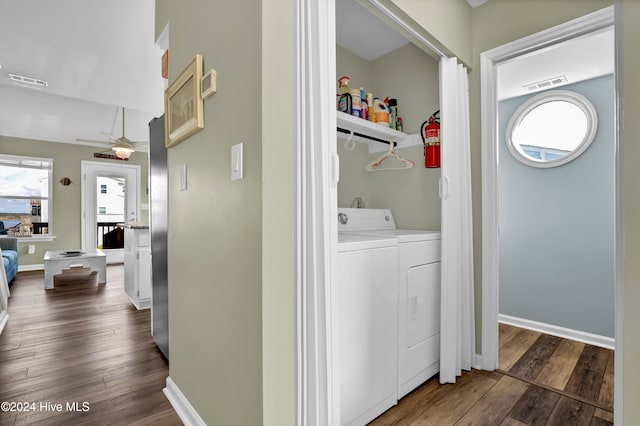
(344, 97)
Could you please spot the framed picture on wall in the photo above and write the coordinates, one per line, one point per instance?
(183, 105)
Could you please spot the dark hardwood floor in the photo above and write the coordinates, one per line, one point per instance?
(542, 380)
(80, 354)
(85, 343)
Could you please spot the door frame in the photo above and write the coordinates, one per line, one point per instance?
(107, 168)
(317, 174)
(489, 62)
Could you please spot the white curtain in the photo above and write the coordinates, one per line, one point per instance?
(457, 324)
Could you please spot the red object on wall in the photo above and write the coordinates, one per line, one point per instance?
(430, 133)
(165, 64)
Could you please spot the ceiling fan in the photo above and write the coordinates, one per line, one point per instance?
(123, 147)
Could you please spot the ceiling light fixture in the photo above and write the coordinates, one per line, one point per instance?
(123, 147)
(28, 80)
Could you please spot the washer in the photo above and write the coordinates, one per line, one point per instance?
(365, 305)
(418, 272)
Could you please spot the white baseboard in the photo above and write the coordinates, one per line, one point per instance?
(181, 405)
(554, 330)
(4, 318)
(22, 268)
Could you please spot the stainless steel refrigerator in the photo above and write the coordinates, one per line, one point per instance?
(158, 224)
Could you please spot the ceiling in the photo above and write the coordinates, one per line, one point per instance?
(577, 60)
(97, 56)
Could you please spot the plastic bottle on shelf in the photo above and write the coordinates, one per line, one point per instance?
(364, 105)
(343, 84)
(372, 115)
(381, 111)
(393, 113)
(400, 126)
(345, 102)
(356, 104)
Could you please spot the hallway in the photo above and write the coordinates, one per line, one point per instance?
(80, 354)
(543, 380)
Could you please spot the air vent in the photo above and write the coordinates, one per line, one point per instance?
(545, 84)
(28, 80)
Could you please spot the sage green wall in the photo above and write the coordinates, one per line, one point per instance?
(411, 76)
(358, 69)
(278, 189)
(215, 233)
(353, 182)
(66, 199)
(448, 21)
(630, 18)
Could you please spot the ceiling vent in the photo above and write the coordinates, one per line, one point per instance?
(545, 84)
(28, 80)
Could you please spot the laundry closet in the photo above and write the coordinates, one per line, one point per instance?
(411, 76)
(387, 297)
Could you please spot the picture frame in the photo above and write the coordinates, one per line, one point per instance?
(183, 104)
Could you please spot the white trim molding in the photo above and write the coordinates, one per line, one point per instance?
(181, 405)
(4, 319)
(34, 267)
(317, 377)
(554, 330)
(489, 62)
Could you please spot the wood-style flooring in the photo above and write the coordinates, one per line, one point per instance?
(81, 344)
(542, 380)
(85, 343)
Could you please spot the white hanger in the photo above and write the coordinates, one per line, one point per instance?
(376, 165)
(350, 144)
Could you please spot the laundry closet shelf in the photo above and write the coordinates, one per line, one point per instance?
(374, 135)
(364, 127)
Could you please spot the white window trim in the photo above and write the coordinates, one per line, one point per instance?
(551, 96)
(49, 236)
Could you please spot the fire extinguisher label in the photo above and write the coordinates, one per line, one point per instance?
(432, 136)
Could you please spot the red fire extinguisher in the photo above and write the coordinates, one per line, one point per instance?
(430, 133)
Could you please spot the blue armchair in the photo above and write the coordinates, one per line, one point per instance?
(9, 248)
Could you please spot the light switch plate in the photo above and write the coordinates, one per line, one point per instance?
(236, 162)
(183, 177)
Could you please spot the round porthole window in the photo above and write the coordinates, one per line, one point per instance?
(552, 128)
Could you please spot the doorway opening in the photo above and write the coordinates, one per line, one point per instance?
(491, 61)
(110, 198)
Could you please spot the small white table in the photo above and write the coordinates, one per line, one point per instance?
(57, 260)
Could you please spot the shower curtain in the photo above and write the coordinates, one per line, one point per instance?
(457, 323)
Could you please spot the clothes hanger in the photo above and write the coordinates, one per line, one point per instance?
(376, 165)
(350, 144)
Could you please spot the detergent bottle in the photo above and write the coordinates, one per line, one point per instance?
(381, 111)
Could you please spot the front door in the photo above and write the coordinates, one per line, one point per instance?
(110, 198)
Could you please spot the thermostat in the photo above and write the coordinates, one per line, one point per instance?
(209, 83)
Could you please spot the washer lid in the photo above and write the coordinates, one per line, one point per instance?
(407, 235)
(355, 241)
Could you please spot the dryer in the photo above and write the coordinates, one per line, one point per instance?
(419, 255)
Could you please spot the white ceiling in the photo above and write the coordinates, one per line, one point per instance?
(96, 55)
(360, 32)
(100, 55)
(578, 59)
